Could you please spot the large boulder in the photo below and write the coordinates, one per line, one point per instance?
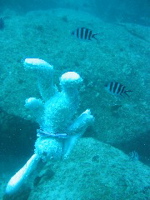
(94, 171)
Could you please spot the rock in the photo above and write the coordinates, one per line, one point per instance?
(122, 54)
(94, 171)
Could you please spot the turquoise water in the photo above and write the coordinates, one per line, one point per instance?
(112, 159)
(129, 11)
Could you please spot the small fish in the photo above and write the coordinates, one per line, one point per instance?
(116, 88)
(84, 34)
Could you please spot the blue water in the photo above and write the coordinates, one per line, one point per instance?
(121, 53)
(135, 11)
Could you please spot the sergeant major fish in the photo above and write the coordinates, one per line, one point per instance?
(84, 34)
(116, 88)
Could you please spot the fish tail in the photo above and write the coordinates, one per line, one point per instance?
(93, 36)
(126, 92)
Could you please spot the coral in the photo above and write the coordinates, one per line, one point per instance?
(54, 112)
(19, 177)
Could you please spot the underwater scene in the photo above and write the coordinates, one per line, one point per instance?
(74, 100)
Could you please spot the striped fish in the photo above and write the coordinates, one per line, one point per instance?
(116, 88)
(84, 34)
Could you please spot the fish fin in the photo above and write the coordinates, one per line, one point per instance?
(93, 36)
(126, 92)
(121, 95)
